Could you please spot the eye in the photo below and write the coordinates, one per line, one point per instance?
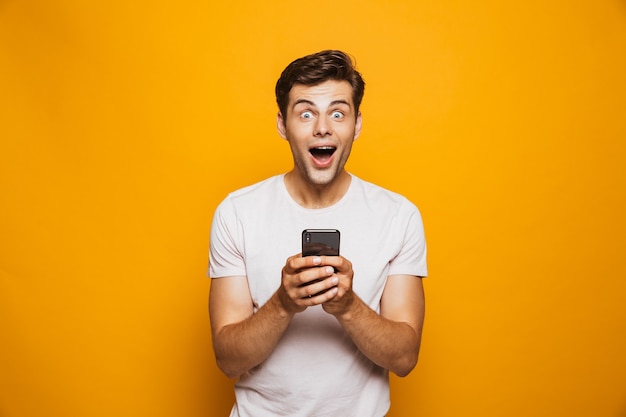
(306, 114)
(336, 115)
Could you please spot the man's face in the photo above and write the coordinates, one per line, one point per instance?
(320, 127)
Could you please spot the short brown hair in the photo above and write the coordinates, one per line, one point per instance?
(315, 69)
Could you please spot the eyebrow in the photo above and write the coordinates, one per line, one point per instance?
(309, 102)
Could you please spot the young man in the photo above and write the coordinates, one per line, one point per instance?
(316, 335)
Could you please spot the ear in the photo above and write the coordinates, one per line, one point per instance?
(280, 124)
(357, 126)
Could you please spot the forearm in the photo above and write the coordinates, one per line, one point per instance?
(241, 346)
(390, 344)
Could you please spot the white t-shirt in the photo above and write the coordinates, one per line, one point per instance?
(315, 370)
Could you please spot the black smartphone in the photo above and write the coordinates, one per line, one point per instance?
(320, 242)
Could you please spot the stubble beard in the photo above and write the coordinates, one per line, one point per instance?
(317, 177)
(322, 177)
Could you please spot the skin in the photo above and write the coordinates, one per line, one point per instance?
(320, 115)
(317, 116)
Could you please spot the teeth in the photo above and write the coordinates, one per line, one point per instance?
(321, 151)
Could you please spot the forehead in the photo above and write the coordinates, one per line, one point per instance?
(322, 94)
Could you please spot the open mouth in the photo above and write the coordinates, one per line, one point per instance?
(322, 153)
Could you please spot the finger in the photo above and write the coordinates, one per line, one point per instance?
(297, 262)
(338, 262)
(320, 297)
(311, 261)
(319, 287)
(312, 275)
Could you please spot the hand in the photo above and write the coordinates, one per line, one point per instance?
(307, 281)
(343, 297)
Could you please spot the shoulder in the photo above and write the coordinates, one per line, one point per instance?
(261, 187)
(380, 197)
(253, 194)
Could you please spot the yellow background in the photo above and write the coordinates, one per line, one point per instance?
(123, 124)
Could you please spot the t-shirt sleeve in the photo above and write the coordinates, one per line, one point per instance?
(411, 260)
(226, 256)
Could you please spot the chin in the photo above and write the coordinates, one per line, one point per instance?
(325, 178)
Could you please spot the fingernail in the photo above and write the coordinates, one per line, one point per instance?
(317, 260)
(330, 270)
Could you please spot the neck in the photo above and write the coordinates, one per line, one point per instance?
(314, 196)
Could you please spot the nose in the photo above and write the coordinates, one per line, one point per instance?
(322, 127)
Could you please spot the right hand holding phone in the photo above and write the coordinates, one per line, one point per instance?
(313, 280)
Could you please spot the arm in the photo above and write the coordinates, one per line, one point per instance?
(243, 339)
(392, 338)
